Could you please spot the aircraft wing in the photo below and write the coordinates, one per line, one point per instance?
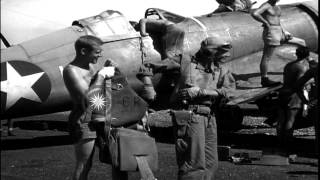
(253, 95)
(248, 80)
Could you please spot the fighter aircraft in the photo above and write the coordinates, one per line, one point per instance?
(32, 83)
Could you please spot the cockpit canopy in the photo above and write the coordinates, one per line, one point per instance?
(107, 23)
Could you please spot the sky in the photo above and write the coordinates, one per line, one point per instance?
(26, 19)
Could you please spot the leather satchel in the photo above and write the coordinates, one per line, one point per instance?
(126, 149)
(126, 144)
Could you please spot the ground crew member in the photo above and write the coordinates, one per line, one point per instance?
(290, 103)
(201, 82)
(171, 35)
(269, 15)
(312, 103)
(78, 77)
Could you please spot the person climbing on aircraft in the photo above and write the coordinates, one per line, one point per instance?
(171, 35)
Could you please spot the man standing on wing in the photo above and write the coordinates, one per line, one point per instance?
(273, 35)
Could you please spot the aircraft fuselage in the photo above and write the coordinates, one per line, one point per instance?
(31, 78)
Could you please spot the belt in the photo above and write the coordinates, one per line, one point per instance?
(200, 109)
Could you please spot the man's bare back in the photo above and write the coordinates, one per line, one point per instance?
(292, 72)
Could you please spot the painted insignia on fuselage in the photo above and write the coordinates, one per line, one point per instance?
(23, 84)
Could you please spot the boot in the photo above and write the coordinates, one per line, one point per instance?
(266, 82)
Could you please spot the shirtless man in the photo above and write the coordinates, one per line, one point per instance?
(273, 34)
(290, 102)
(77, 77)
(171, 35)
(232, 5)
(313, 106)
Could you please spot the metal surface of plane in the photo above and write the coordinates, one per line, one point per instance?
(32, 83)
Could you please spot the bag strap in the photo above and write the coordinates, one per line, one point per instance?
(142, 49)
(108, 97)
(144, 169)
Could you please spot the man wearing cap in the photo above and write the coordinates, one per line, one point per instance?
(201, 83)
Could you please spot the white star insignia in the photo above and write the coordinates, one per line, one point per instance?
(97, 101)
(17, 86)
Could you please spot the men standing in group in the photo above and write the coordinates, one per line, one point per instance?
(201, 83)
(290, 103)
(273, 35)
(78, 77)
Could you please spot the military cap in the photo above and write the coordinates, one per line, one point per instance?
(214, 42)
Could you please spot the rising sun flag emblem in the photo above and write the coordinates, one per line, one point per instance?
(97, 101)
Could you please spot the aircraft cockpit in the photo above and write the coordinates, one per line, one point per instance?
(107, 23)
(155, 13)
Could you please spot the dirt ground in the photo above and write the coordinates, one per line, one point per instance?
(43, 151)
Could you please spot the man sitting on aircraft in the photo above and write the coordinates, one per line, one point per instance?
(290, 102)
(79, 76)
(273, 35)
(201, 83)
(232, 5)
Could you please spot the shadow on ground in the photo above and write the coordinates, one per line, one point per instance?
(301, 146)
(36, 133)
(45, 141)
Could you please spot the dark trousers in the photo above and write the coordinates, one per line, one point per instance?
(196, 147)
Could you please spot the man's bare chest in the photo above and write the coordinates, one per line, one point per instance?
(274, 11)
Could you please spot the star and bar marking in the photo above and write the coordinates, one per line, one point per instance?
(18, 86)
